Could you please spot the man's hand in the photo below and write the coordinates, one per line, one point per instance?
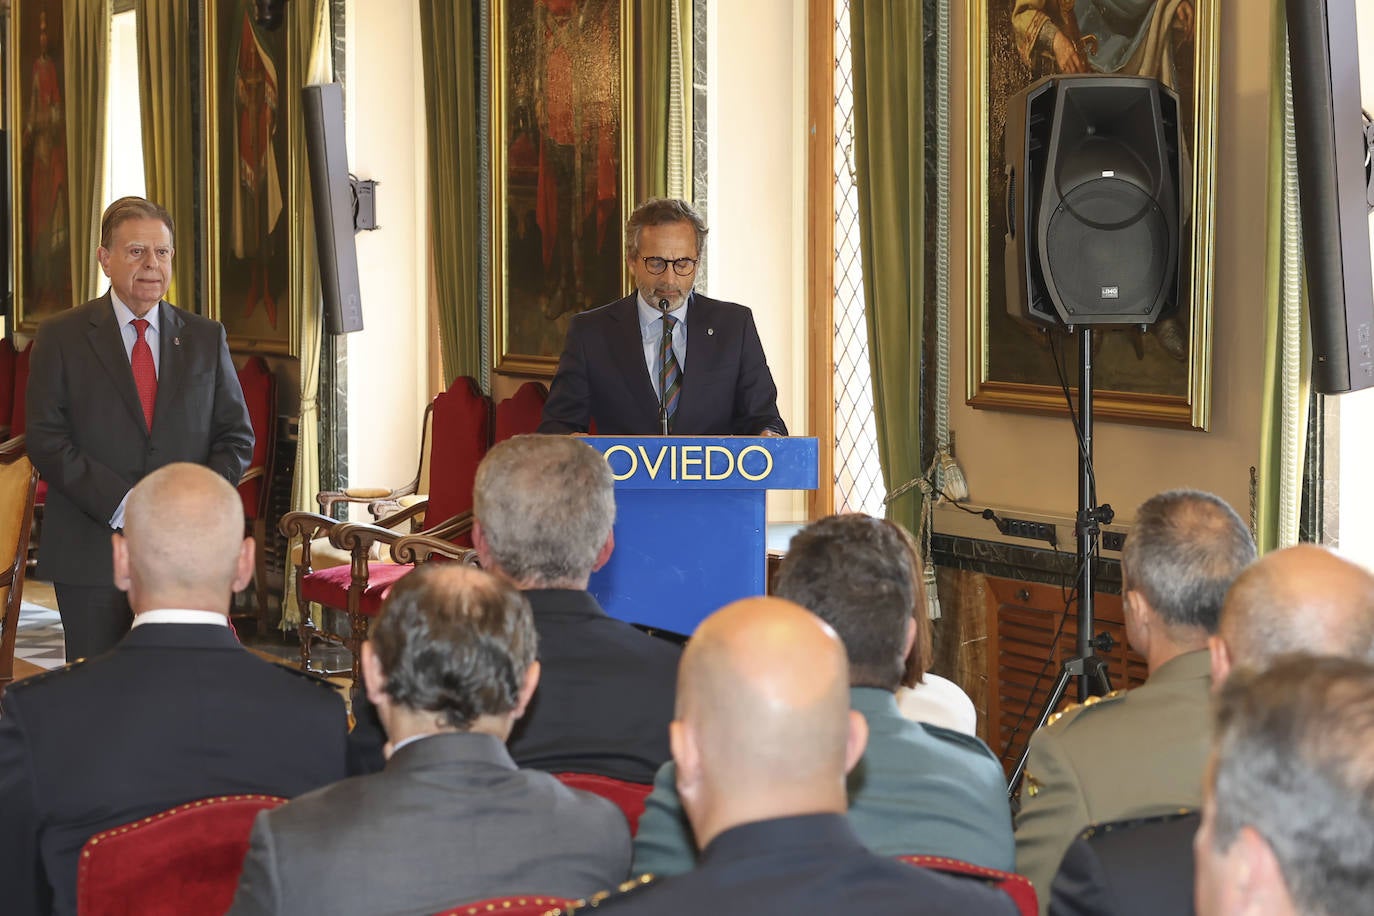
(1184, 20)
(771, 433)
(1067, 56)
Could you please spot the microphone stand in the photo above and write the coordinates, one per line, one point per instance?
(662, 399)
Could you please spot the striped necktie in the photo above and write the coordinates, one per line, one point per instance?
(669, 373)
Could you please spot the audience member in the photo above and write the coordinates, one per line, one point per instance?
(762, 740)
(918, 789)
(1139, 752)
(450, 667)
(1288, 820)
(924, 696)
(177, 711)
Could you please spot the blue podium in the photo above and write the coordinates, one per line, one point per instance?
(690, 527)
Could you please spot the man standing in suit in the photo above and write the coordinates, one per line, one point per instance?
(119, 387)
(763, 738)
(664, 354)
(177, 711)
(450, 667)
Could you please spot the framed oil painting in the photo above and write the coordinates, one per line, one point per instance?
(251, 100)
(38, 150)
(1160, 376)
(561, 92)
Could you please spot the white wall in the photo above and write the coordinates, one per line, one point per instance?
(386, 129)
(756, 130)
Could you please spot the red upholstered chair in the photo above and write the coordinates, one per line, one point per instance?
(260, 394)
(460, 429)
(7, 360)
(183, 860)
(17, 483)
(628, 796)
(517, 905)
(1017, 887)
(521, 412)
(19, 412)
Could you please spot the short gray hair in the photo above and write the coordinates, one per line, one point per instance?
(546, 505)
(660, 211)
(1183, 553)
(1293, 758)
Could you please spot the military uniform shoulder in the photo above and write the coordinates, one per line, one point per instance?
(1110, 827)
(1076, 711)
(960, 739)
(608, 898)
(17, 688)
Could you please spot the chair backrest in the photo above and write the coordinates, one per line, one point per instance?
(7, 360)
(459, 432)
(18, 480)
(521, 412)
(20, 412)
(1017, 887)
(184, 860)
(628, 796)
(260, 394)
(515, 905)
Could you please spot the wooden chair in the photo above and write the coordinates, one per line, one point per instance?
(184, 860)
(516, 905)
(260, 394)
(1017, 887)
(18, 482)
(460, 426)
(629, 797)
(521, 412)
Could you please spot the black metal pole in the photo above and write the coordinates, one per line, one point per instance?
(1087, 505)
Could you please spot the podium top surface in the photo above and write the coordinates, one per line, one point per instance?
(710, 462)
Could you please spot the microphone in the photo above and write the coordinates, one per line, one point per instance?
(662, 395)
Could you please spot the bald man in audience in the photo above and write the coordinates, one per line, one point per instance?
(762, 740)
(1139, 752)
(1288, 820)
(176, 711)
(919, 789)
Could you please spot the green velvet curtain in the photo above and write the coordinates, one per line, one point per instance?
(164, 88)
(1287, 349)
(448, 53)
(889, 154)
(659, 28)
(85, 56)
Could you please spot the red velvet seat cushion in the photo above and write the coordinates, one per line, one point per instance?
(329, 587)
(184, 860)
(1017, 887)
(40, 495)
(628, 796)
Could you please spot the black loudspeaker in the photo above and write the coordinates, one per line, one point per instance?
(1094, 201)
(1334, 185)
(332, 196)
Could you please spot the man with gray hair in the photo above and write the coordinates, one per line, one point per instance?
(450, 666)
(1288, 819)
(626, 366)
(1139, 752)
(544, 509)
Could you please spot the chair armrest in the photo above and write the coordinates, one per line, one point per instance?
(358, 537)
(252, 473)
(305, 525)
(328, 498)
(420, 548)
(450, 527)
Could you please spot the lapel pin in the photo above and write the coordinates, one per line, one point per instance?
(710, 331)
(176, 341)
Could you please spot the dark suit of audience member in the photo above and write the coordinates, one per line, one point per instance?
(177, 711)
(450, 666)
(1139, 867)
(92, 438)
(762, 741)
(619, 360)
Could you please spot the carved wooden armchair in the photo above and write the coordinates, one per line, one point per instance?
(260, 394)
(18, 481)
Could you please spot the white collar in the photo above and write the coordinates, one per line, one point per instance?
(124, 314)
(180, 615)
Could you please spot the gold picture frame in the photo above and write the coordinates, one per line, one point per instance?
(1139, 378)
(250, 82)
(557, 238)
(40, 236)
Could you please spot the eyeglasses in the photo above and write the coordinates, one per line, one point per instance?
(682, 266)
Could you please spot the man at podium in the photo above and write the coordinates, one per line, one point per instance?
(625, 366)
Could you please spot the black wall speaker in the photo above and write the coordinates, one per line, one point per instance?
(332, 196)
(1094, 201)
(1334, 187)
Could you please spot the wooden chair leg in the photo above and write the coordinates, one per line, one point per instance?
(357, 625)
(305, 628)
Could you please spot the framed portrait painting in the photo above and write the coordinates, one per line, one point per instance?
(38, 150)
(1160, 375)
(561, 110)
(251, 100)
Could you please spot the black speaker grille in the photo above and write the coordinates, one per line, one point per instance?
(1106, 248)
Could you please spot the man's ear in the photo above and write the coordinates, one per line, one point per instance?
(687, 756)
(856, 742)
(1255, 872)
(102, 254)
(374, 679)
(603, 556)
(119, 547)
(479, 544)
(527, 688)
(243, 567)
(1220, 654)
(910, 639)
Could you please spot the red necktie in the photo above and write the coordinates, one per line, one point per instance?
(145, 373)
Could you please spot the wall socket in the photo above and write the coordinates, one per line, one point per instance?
(1113, 540)
(1031, 531)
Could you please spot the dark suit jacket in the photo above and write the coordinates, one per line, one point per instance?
(174, 713)
(727, 389)
(458, 822)
(1139, 867)
(605, 696)
(87, 435)
(807, 864)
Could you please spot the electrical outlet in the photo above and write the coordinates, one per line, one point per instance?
(1113, 540)
(1031, 531)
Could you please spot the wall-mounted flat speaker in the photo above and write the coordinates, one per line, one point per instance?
(332, 197)
(1335, 190)
(1094, 201)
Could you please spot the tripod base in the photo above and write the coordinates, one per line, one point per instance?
(1091, 670)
